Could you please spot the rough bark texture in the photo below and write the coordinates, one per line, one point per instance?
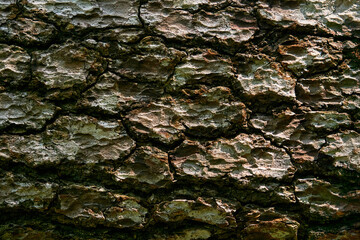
(180, 119)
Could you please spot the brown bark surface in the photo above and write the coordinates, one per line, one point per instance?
(180, 119)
